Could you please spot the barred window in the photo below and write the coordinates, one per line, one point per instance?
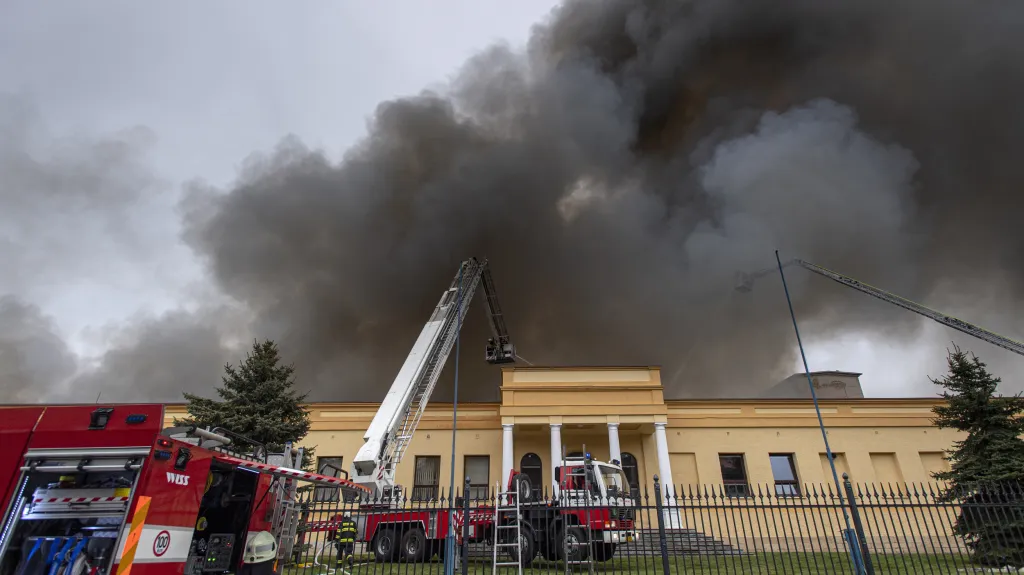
(734, 474)
(427, 477)
(784, 473)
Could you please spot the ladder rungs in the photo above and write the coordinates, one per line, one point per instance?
(507, 545)
(507, 564)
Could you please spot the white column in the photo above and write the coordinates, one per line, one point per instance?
(556, 454)
(665, 475)
(506, 452)
(614, 451)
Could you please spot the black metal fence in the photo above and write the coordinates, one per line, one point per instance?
(867, 529)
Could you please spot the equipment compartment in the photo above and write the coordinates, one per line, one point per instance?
(68, 511)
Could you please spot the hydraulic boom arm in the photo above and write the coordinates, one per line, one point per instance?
(746, 280)
(393, 426)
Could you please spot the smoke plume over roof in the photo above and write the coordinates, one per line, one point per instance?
(617, 173)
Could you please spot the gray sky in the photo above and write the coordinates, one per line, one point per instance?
(195, 87)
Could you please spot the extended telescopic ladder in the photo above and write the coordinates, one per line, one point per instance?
(745, 283)
(507, 535)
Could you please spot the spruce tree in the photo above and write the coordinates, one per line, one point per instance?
(987, 466)
(259, 401)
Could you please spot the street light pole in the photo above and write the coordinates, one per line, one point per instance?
(852, 541)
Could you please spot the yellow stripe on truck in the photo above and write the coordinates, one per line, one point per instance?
(134, 534)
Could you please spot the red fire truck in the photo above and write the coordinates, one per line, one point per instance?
(590, 517)
(98, 490)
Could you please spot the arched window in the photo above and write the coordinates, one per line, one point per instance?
(632, 471)
(532, 467)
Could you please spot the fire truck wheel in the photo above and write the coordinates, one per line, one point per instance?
(604, 552)
(528, 545)
(523, 486)
(414, 545)
(574, 544)
(384, 546)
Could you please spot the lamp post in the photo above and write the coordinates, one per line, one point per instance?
(745, 286)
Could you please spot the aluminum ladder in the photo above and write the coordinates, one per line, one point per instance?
(287, 509)
(506, 503)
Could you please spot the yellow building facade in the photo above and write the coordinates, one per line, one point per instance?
(621, 413)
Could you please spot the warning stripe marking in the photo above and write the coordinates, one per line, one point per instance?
(288, 472)
(134, 535)
(80, 500)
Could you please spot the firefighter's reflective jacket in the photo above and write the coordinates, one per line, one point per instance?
(346, 531)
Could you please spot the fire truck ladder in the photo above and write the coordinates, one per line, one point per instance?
(392, 428)
(507, 535)
(287, 507)
(745, 282)
(435, 361)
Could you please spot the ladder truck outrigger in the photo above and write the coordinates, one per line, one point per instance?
(600, 507)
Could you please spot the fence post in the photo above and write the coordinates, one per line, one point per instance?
(661, 525)
(465, 527)
(860, 544)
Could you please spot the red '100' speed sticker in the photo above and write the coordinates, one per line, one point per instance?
(161, 543)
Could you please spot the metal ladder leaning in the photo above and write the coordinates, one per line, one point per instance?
(287, 509)
(507, 502)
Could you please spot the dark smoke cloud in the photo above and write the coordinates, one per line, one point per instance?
(617, 173)
(622, 169)
(33, 356)
(85, 220)
(158, 358)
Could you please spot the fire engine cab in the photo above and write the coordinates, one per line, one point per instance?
(98, 490)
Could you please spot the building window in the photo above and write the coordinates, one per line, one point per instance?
(632, 471)
(331, 467)
(734, 474)
(477, 469)
(427, 477)
(784, 473)
(531, 466)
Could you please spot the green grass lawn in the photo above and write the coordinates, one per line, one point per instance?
(746, 564)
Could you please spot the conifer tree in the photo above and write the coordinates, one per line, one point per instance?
(258, 401)
(986, 470)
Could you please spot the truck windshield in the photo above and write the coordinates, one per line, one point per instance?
(614, 480)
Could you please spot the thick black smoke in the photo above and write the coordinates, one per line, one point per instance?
(620, 172)
(617, 173)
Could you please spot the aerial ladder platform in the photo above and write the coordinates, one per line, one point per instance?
(745, 283)
(392, 428)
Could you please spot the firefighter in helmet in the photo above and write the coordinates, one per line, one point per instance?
(345, 540)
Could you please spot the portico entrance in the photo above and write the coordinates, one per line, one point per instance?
(615, 413)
